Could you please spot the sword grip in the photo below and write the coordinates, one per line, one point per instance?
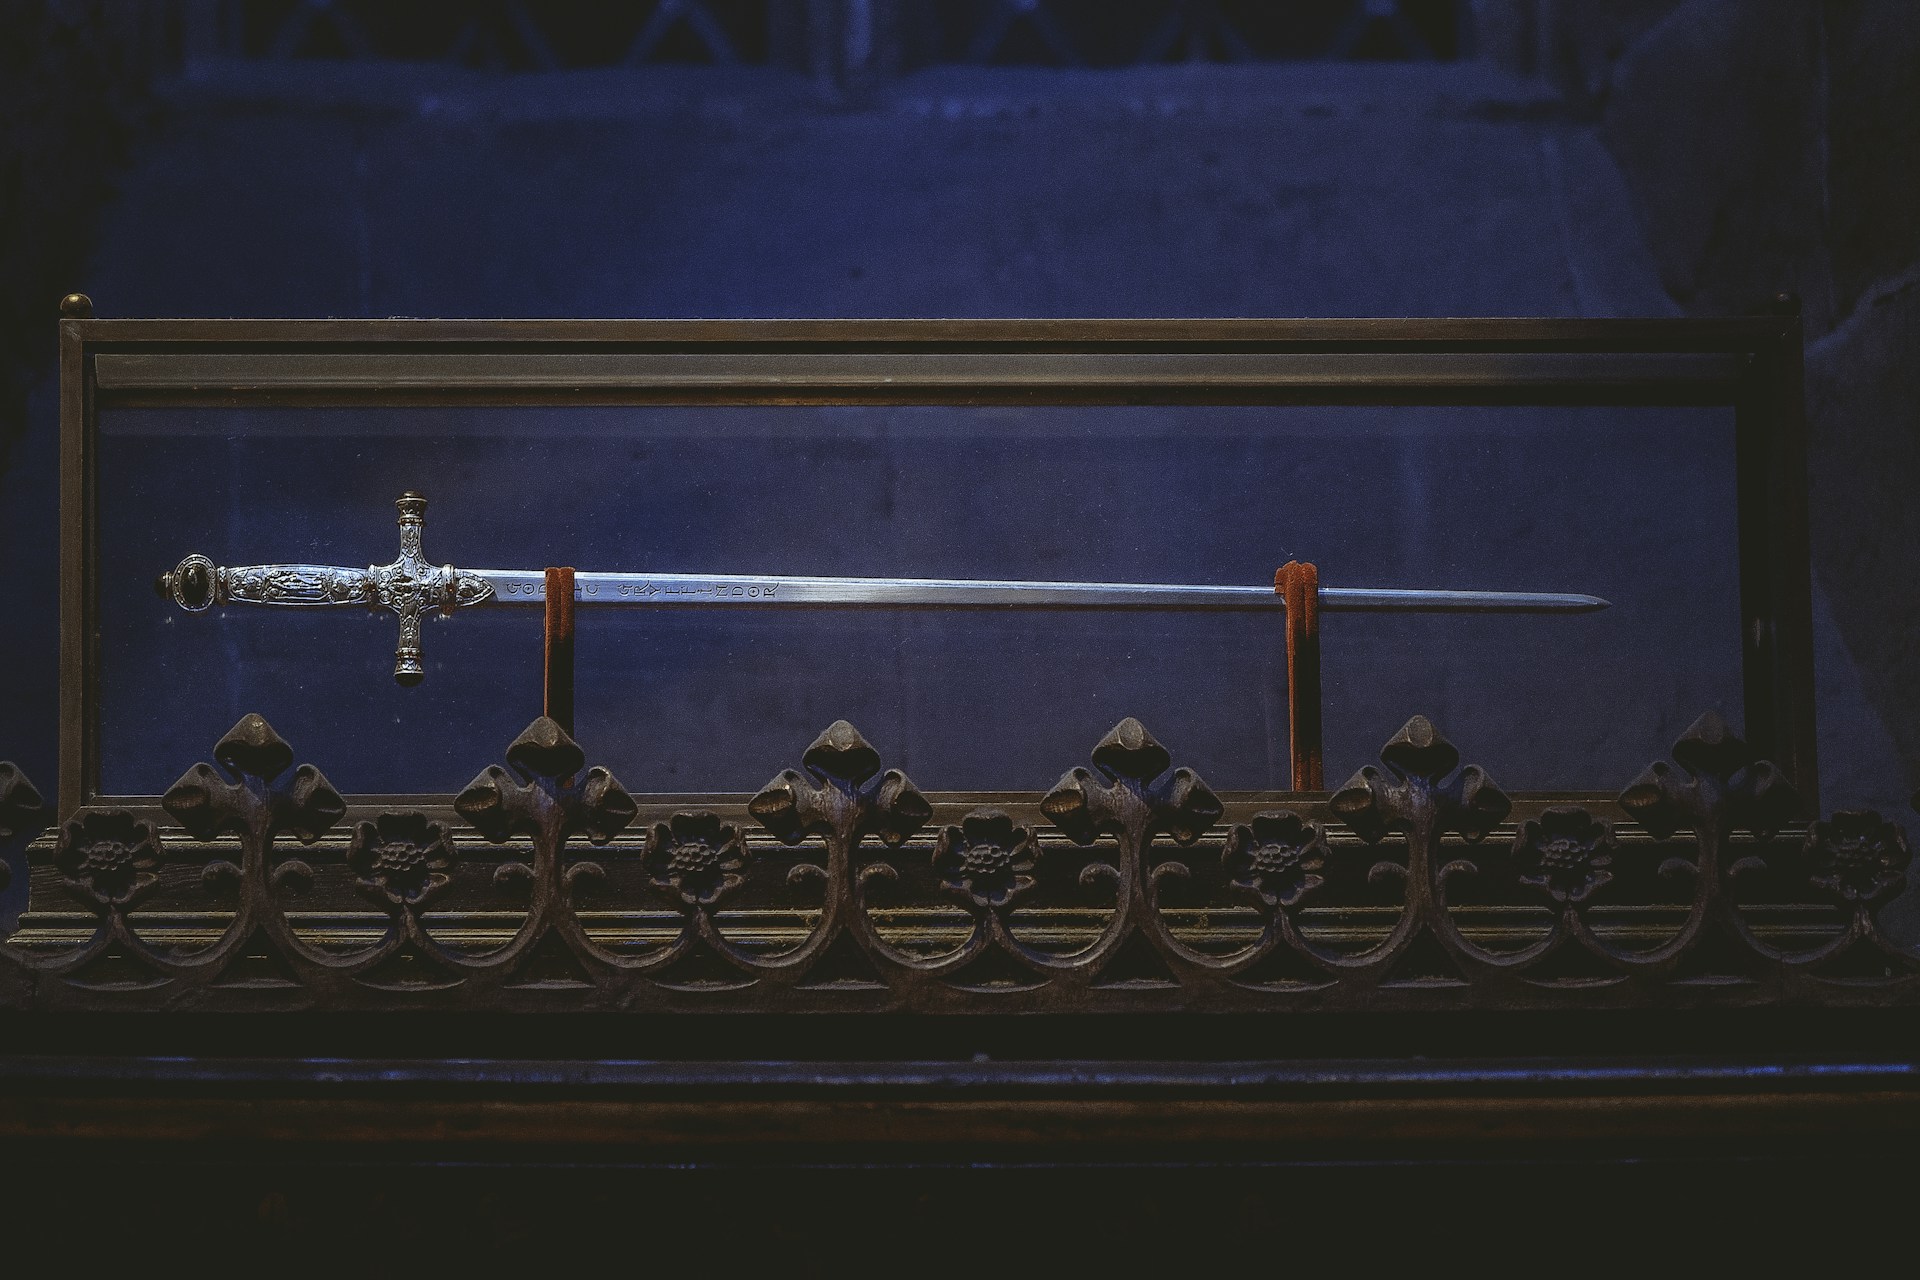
(197, 584)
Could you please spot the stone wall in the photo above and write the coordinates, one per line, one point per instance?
(1774, 146)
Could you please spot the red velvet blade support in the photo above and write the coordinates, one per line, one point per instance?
(559, 678)
(1299, 584)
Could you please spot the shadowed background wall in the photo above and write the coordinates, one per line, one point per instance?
(894, 157)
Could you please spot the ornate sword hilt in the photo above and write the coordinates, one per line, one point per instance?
(409, 586)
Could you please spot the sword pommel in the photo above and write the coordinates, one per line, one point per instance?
(192, 584)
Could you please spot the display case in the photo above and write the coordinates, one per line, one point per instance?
(1054, 834)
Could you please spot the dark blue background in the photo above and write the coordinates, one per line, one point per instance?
(373, 188)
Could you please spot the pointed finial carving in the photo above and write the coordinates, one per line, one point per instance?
(1714, 780)
(248, 793)
(1423, 780)
(840, 789)
(547, 790)
(1130, 785)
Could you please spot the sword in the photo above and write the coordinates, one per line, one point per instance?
(412, 587)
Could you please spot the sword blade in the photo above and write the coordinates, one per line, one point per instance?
(515, 586)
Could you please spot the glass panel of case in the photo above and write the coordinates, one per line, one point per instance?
(1636, 505)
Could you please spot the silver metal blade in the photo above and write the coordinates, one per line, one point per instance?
(511, 586)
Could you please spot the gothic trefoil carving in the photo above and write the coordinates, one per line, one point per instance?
(1130, 884)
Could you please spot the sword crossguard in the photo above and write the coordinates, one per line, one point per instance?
(409, 586)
